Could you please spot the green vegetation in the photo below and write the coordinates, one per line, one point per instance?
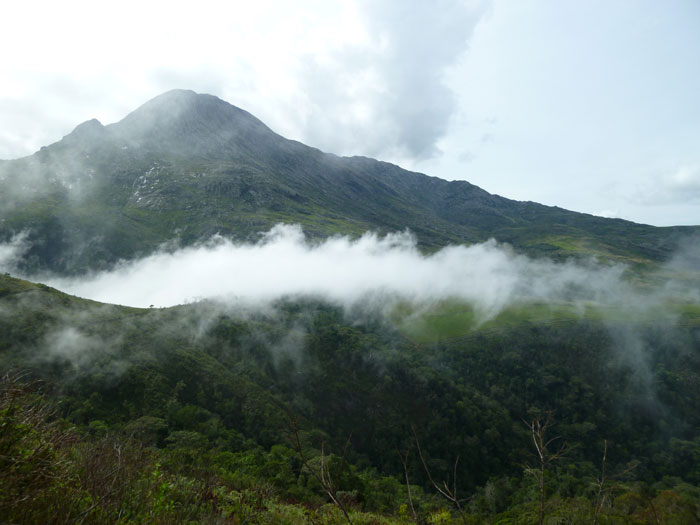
(454, 319)
(189, 414)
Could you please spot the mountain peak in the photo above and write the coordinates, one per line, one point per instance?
(190, 123)
(88, 129)
(175, 99)
(86, 135)
(177, 93)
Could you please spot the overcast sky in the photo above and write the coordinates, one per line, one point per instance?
(592, 106)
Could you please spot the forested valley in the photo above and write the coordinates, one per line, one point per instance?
(306, 411)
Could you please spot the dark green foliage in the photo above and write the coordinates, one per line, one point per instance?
(214, 407)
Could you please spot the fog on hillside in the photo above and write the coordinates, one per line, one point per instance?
(490, 276)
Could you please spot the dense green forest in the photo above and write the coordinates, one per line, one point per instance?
(302, 411)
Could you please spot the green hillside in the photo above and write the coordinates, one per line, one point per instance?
(204, 401)
(453, 320)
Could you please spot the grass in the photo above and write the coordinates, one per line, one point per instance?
(453, 319)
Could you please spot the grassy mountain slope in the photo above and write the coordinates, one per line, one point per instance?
(186, 166)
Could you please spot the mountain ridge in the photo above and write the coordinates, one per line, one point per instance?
(186, 165)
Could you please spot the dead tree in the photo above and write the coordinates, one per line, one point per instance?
(546, 453)
(600, 482)
(445, 489)
(404, 463)
(601, 491)
(322, 475)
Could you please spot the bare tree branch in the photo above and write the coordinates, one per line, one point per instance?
(545, 457)
(445, 491)
(324, 476)
(404, 462)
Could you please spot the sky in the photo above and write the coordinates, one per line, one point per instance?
(591, 106)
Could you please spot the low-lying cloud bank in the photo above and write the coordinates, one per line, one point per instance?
(284, 263)
(341, 269)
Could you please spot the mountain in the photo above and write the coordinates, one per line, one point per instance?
(186, 166)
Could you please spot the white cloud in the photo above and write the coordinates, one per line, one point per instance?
(11, 252)
(284, 263)
(679, 187)
(685, 182)
(386, 96)
(609, 214)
